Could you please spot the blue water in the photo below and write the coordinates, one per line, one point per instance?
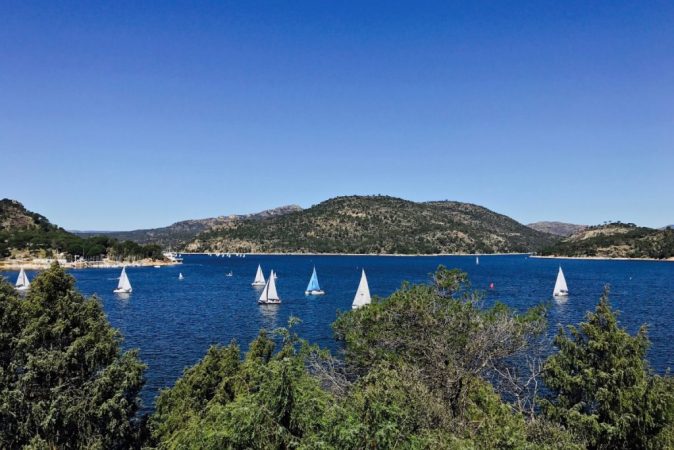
(173, 322)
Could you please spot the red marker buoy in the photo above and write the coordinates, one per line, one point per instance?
(491, 285)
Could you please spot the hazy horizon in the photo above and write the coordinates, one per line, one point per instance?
(128, 115)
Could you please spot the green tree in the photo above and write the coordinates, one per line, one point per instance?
(602, 388)
(265, 401)
(417, 376)
(67, 384)
(440, 329)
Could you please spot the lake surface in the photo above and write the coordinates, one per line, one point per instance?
(173, 322)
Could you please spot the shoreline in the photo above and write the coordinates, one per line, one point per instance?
(602, 258)
(42, 264)
(355, 254)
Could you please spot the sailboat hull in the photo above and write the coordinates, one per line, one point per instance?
(122, 291)
(260, 283)
(314, 292)
(269, 302)
(22, 288)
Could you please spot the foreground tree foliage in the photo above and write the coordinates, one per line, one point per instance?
(416, 376)
(264, 401)
(427, 368)
(603, 389)
(64, 382)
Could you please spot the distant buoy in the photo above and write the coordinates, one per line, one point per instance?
(491, 285)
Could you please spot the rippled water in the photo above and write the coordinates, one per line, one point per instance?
(173, 322)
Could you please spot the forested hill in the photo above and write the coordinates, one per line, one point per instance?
(24, 233)
(616, 240)
(378, 224)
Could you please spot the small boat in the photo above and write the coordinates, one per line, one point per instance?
(560, 290)
(180, 276)
(124, 285)
(313, 288)
(157, 267)
(22, 281)
(259, 277)
(362, 297)
(229, 274)
(173, 257)
(269, 295)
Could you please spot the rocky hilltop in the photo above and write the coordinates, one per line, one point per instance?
(616, 240)
(15, 217)
(557, 228)
(377, 224)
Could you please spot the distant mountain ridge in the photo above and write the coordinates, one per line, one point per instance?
(377, 224)
(616, 240)
(186, 230)
(556, 228)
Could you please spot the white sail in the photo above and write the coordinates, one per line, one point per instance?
(362, 297)
(180, 276)
(477, 260)
(269, 294)
(259, 277)
(560, 285)
(22, 282)
(124, 284)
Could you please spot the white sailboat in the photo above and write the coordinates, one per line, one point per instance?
(259, 277)
(477, 260)
(124, 285)
(313, 288)
(22, 281)
(561, 290)
(180, 276)
(269, 295)
(362, 297)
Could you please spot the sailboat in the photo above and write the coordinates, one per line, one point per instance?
(362, 297)
(124, 286)
(477, 260)
(259, 277)
(22, 282)
(269, 295)
(313, 288)
(180, 276)
(561, 290)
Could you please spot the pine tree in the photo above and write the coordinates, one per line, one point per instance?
(67, 384)
(602, 387)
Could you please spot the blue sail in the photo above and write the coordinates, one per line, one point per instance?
(313, 283)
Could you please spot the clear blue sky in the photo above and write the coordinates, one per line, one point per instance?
(120, 115)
